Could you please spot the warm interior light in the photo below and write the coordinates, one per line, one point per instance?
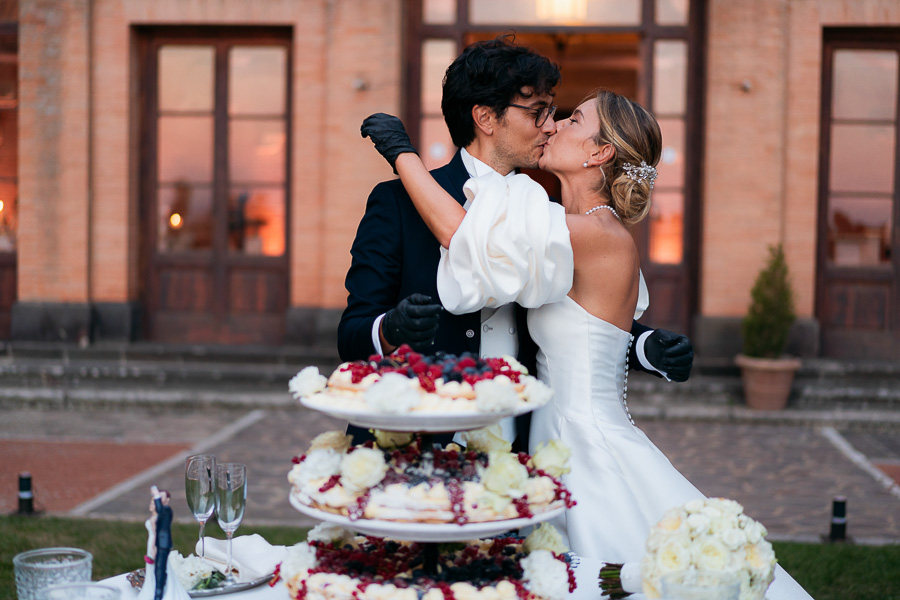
(175, 221)
(1, 205)
(561, 11)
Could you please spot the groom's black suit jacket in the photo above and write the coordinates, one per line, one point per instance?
(394, 255)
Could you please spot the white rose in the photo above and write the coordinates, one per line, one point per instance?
(729, 507)
(338, 441)
(673, 555)
(494, 502)
(759, 556)
(392, 439)
(487, 439)
(710, 555)
(698, 523)
(495, 395)
(713, 513)
(733, 538)
(307, 382)
(552, 457)
(755, 531)
(536, 392)
(696, 505)
(362, 469)
(545, 576)
(318, 464)
(505, 475)
(672, 521)
(650, 575)
(394, 394)
(330, 533)
(545, 537)
(299, 559)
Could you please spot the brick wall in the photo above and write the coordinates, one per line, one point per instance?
(761, 157)
(54, 143)
(79, 148)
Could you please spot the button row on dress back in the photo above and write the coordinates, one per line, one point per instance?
(625, 390)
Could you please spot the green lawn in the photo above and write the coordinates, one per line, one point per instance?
(828, 572)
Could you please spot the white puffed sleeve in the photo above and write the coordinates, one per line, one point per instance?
(512, 246)
(643, 302)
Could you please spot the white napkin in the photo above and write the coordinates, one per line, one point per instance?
(252, 556)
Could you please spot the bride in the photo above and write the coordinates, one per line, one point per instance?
(581, 303)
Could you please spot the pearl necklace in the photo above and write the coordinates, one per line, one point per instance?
(607, 206)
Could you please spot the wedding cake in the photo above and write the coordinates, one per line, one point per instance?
(416, 509)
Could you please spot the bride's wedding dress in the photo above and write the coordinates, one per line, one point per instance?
(620, 481)
(513, 246)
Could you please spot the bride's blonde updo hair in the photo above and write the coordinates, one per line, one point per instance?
(635, 135)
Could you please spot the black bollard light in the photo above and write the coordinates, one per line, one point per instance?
(26, 497)
(838, 519)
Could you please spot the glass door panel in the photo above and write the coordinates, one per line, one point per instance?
(185, 148)
(185, 217)
(666, 230)
(865, 85)
(862, 158)
(435, 140)
(672, 12)
(555, 12)
(186, 75)
(439, 12)
(258, 76)
(669, 77)
(257, 150)
(256, 220)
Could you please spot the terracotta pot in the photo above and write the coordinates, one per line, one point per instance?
(767, 381)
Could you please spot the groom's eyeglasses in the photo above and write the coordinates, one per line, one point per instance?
(540, 114)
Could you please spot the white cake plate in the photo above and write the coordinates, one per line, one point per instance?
(416, 422)
(425, 532)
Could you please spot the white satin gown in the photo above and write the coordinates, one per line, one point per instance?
(513, 246)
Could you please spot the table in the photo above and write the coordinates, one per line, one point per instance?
(585, 578)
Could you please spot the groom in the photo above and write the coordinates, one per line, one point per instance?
(497, 103)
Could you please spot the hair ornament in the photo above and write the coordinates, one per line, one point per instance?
(640, 174)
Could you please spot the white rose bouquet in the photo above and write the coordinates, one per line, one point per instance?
(711, 534)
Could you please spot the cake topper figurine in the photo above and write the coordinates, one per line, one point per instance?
(157, 583)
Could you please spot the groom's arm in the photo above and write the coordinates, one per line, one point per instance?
(661, 353)
(373, 280)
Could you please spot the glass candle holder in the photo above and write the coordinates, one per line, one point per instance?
(38, 569)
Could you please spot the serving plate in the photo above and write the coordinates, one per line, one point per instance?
(425, 532)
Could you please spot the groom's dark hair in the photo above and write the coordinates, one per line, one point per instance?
(492, 73)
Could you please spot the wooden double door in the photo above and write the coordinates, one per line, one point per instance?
(214, 184)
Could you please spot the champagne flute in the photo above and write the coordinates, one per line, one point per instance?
(231, 495)
(199, 486)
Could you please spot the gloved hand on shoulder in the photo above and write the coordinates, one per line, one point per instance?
(389, 136)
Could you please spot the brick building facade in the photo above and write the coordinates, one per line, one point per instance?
(127, 107)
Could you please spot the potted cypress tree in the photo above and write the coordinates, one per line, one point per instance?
(766, 373)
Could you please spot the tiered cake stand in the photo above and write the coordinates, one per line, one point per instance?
(429, 533)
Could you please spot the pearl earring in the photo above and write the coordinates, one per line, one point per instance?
(585, 164)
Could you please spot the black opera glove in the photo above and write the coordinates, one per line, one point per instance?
(414, 321)
(389, 136)
(671, 353)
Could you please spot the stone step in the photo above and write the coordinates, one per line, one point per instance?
(173, 375)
